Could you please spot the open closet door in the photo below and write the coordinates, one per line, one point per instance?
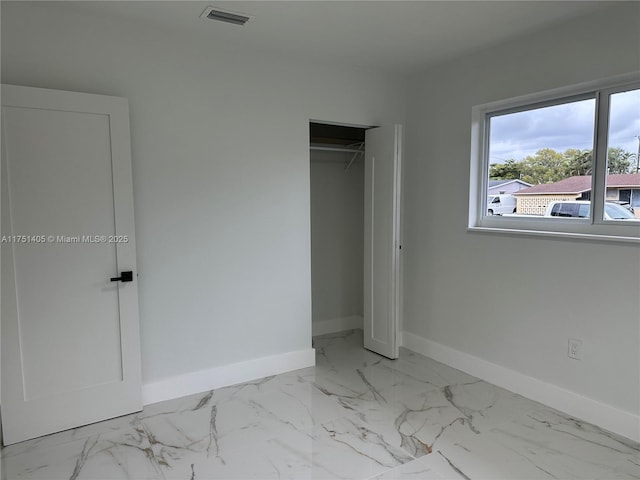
(381, 239)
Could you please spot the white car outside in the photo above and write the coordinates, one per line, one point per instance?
(501, 204)
(582, 209)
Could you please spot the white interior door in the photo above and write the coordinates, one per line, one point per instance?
(70, 335)
(381, 232)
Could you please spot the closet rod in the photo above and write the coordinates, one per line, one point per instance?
(335, 149)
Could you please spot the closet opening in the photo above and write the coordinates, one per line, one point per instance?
(337, 177)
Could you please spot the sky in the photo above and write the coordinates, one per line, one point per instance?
(517, 135)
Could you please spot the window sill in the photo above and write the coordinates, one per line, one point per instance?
(557, 235)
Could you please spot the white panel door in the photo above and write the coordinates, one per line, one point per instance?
(381, 239)
(70, 335)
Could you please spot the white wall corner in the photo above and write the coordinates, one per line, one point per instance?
(341, 324)
(605, 416)
(223, 376)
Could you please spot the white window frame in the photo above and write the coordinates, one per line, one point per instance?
(595, 227)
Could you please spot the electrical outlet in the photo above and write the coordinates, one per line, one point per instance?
(575, 348)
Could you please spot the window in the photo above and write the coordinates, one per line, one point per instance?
(574, 154)
(623, 159)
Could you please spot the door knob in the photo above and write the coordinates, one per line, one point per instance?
(124, 277)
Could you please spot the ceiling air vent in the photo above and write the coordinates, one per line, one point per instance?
(214, 13)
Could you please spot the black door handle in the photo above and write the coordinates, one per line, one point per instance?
(124, 277)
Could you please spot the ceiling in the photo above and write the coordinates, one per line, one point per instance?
(396, 35)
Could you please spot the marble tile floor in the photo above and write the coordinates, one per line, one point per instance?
(355, 415)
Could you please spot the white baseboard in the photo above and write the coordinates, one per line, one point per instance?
(217, 377)
(336, 325)
(605, 416)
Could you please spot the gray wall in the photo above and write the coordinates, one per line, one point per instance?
(515, 301)
(220, 150)
(337, 238)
